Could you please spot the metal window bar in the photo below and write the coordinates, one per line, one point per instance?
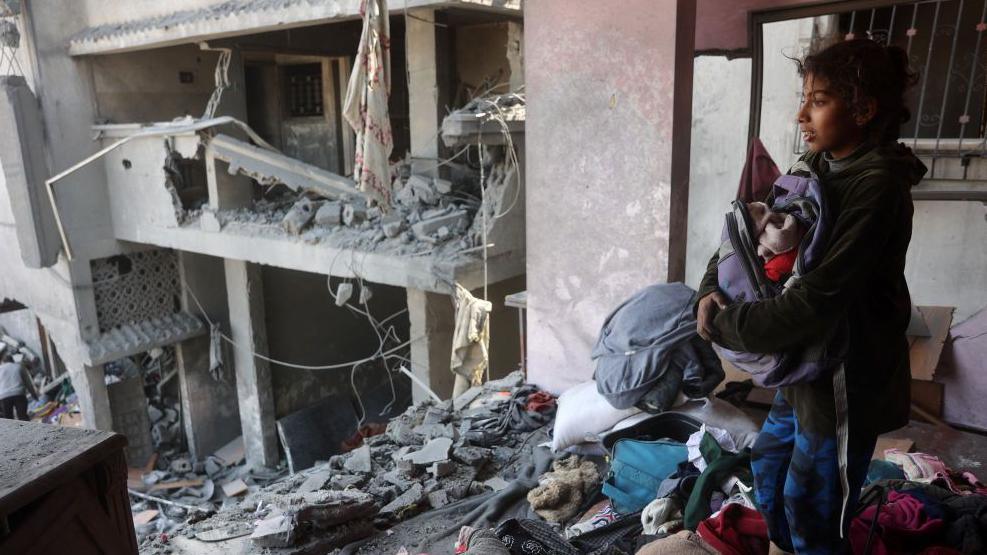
(951, 93)
(925, 74)
(949, 75)
(965, 118)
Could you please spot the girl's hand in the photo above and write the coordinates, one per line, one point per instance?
(708, 307)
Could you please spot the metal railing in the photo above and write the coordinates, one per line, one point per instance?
(944, 43)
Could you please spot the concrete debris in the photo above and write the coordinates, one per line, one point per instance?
(329, 214)
(405, 501)
(181, 465)
(300, 215)
(454, 221)
(355, 214)
(392, 225)
(276, 531)
(434, 451)
(360, 460)
(441, 469)
(315, 481)
(389, 478)
(438, 498)
(347, 481)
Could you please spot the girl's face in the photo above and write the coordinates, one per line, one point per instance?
(825, 120)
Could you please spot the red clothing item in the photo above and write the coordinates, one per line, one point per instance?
(736, 530)
(780, 265)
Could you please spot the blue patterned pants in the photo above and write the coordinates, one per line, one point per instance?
(797, 482)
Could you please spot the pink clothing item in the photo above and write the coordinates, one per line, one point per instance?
(902, 526)
(776, 232)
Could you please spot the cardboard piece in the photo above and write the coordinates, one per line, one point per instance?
(234, 488)
(232, 453)
(925, 351)
(884, 443)
(144, 517)
(928, 396)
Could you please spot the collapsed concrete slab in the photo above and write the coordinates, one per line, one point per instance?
(269, 167)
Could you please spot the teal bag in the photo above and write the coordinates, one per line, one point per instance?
(637, 468)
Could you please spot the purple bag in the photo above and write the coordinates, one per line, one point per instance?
(741, 278)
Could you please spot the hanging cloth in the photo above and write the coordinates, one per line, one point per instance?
(471, 338)
(365, 107)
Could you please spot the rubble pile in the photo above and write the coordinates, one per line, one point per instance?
(431, 455)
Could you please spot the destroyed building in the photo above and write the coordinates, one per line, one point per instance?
(199, 206)
(195, 258)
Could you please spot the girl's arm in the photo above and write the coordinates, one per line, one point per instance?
(814, 306)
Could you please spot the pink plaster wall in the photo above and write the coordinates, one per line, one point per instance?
(722, 24)
(608, 123)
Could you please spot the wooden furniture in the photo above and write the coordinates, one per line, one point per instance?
(63, 490)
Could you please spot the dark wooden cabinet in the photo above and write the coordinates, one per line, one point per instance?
(63, 490)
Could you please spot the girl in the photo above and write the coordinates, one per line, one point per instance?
(850, 118)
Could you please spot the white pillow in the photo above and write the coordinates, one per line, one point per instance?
(584, 414)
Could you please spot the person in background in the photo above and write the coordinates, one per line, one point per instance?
(15, 384)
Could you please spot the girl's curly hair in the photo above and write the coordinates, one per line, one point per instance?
(861, 69)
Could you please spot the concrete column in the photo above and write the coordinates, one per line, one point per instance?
(623, 78)
(210, 413)
(230, 191)
(423, 92)
(245, 294)
(431, 317)
(94, 400)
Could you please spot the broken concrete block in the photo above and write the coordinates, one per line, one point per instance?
(418, 188)
(300, 215)
(435, 415)
(346, 481)
(434, 451)
(359, 460)
(405, 501)
(432, 431)
(325, 509)
(392, 225)
(463, 401)
(276, 531)
(438, 498)
(234, 488)
(496, 483)
(401, 432)
(441, 469)
(315, 481)
(454, 220)
(442, 186)
(354, 214)
(472, 456)
(397, 478)
(329, 214)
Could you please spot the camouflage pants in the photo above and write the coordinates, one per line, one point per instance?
(797, 482)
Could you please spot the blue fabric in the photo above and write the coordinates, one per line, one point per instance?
(883, 470)
(797, 482)
(637, 470)
(647, 335)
